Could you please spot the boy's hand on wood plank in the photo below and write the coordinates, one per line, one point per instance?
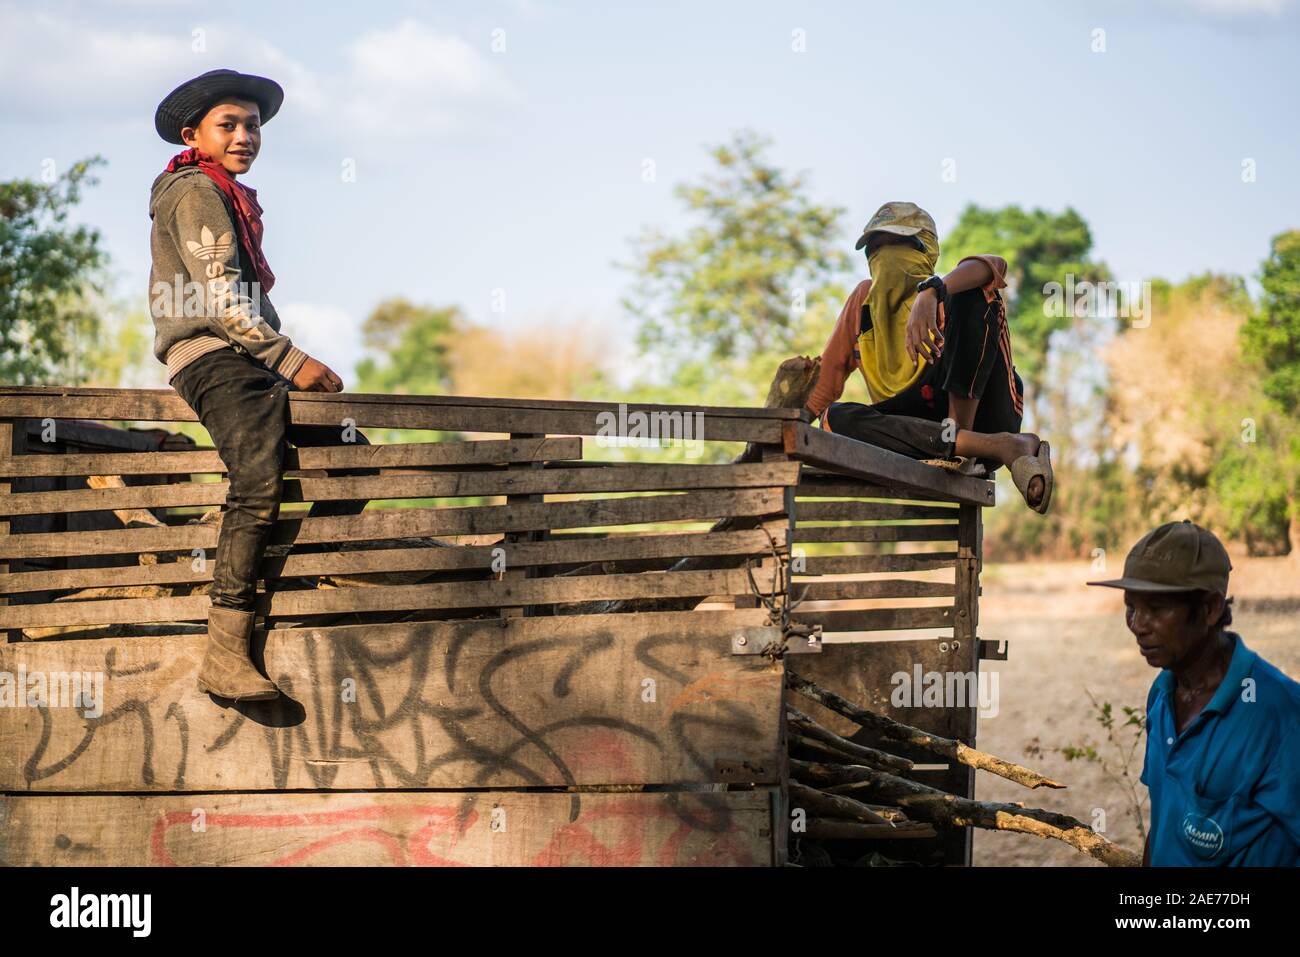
(317, 377)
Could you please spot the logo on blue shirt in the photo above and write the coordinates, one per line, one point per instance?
(1203, 834)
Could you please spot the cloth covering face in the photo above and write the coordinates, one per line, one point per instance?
(896, 268)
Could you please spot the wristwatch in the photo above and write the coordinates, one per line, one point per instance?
(935, 283)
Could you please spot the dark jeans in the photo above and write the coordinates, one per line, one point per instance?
(976, 363)
(245, 408)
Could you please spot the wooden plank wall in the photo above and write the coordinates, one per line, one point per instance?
(556, 491)
(438, 709)
(455, 718)
(435, 710)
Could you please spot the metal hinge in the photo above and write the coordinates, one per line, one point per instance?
(993, 650)
(760, 640)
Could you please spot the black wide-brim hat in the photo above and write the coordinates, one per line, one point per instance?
(186, 105)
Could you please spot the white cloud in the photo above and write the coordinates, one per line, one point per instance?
(55, 67)
(408, 80)
(393, 84)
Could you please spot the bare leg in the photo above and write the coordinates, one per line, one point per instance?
(961, 409)
(1006, 447)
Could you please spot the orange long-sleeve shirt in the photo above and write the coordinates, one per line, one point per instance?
(840, 357)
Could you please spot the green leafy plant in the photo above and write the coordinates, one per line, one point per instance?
(1119, 758)
(51, 277)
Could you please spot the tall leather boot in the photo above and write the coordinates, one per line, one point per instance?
(227, 670)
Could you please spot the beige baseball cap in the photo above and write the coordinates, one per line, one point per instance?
(901, 219)
(1177, 556)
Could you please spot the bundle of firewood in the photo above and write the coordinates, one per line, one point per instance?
(840, 789)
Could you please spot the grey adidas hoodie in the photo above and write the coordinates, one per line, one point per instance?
(196, 292)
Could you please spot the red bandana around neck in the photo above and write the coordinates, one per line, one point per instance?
(248, 213)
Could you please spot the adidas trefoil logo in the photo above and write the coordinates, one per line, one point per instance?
(208, 248)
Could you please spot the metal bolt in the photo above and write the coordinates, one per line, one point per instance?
(742, 640)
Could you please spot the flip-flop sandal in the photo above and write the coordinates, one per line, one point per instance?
(959, 464)
(1027, 467)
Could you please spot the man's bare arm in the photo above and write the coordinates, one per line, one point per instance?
(967, 274)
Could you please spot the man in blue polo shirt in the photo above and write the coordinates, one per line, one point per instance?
(1223, 725)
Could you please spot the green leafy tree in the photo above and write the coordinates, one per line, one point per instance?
(1254, 483)
(1040, 247)
(121, 357)
(1272, 334)
(743, 279)
(1156, 430)
(751, 282)
(1055, 353)
(51, 274)
(410, 345)
(1258, 479)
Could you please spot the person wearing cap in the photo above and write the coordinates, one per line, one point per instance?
(219, 336)
(936, 356)
(1223, 725)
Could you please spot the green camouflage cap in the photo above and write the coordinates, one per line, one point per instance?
(901, 219)
(1177, 556)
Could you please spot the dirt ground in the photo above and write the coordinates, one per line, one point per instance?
(1067, 639)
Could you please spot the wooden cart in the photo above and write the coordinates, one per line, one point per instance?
(533, 654)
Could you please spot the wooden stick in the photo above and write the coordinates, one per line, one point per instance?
(892, 730)
(865, 755)
(129, 517)
(823, 829)
(884, 810)
(832, 753)
(833, 805)
(948, 810)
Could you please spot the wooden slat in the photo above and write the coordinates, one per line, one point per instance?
(646, 478)
(435, 596)
(84, 434)
(965, 657)
(850, 564)
(381, 412)
(400, 522)
(873, 588)
(877, 619)
(385, 829)
(398, 455)
(851, 457)
(457, 558)
(482, 704)
(871, 512)
(814, 483)
(513, 572)
(759, 412)
(875, 533)
(8, 436)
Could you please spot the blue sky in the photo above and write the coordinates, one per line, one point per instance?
(520, 169)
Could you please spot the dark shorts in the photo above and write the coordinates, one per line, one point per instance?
(976, 363)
